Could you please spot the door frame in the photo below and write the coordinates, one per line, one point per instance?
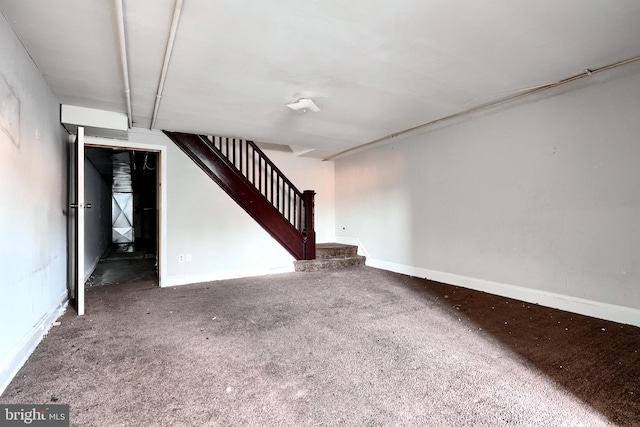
(161, 188)
(75, 226)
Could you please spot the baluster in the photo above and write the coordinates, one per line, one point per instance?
(266, 174)
(253, 166)
(234, 152)
(286, 202)
(249, 170)
(242, 145)
(284, 199)
(285, 189)
(259, 172)
(278, 190)
(267, 189)
(300, 207)
(288, 215)
(293, 207)
(299, 216)
(295, 210)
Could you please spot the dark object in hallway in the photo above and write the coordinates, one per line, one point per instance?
(355, 346)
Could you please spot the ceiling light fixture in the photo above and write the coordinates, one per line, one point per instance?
(304, 105)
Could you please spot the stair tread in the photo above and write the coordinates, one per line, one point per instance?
(302, 261)
(333, 245)
(335, 250)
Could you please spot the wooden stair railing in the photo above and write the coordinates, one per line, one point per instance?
(249, 177)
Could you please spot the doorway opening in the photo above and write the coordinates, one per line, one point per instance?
(122, 226)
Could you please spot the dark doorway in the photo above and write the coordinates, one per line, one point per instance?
(124, 229)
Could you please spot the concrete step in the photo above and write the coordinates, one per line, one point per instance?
(331, 256)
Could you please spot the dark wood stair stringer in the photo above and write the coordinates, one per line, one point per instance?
(301, 245)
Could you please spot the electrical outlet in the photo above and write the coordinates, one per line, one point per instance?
(181, 258)
(188, 257)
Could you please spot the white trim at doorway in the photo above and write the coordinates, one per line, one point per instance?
(162, 180)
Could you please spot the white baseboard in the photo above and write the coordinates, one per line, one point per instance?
(600, 310)
(189, 279)
(13, 363)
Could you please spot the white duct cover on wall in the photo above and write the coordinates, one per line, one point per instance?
(122, 199)
(122, 215)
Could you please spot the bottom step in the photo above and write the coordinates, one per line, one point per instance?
(331, 256)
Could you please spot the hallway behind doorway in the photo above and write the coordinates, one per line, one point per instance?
(124, 264)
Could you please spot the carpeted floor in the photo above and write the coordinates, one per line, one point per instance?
(357, 347)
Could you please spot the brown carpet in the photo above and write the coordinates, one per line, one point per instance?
(358, 347)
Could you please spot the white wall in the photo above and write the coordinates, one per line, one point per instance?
(539, 202)
(97, 220)
(33, 168)
(223, 240)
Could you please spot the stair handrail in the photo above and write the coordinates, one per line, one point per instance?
(301, 219)
(289, 217)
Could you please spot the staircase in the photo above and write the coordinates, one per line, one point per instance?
(331, 256)
(250, 178)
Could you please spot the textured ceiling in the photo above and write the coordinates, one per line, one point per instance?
(374, 67)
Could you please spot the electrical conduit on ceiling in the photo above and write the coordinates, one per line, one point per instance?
(167, 57)
(530, 91)
(123, 60)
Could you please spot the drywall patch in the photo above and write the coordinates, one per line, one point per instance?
(9, 111)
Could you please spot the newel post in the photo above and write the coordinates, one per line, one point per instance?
(310, 232)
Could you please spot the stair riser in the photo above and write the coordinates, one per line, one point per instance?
(340, 252)
(329, 264)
